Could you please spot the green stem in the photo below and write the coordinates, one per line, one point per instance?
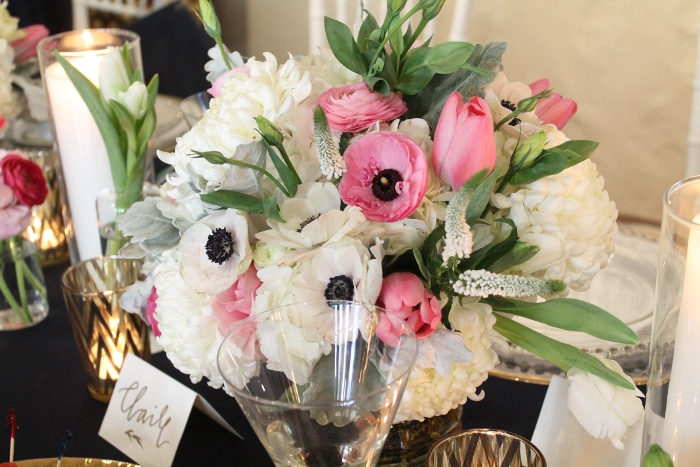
(288, 162)
(6, 290)
(34, 281)
(393, 30)
(262, 171)
(17, 259)
(423, 23)
(507, 118)
(220, 43)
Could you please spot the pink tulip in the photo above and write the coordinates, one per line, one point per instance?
(14, 217)
(25, 48)
(235, 304)
(554, 109)
(387, 176)
(215, 89)
(464, 141)
(355, 107)
(403, 296)
(150, 311)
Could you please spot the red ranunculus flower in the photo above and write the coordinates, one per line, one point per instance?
(25, 178)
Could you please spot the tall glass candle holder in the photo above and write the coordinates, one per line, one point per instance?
(83, 157)
(672, 417)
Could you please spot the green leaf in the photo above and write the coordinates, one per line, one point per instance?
(380, 85)
(288, 177)
(421, 265)
(110, 135)
(482, 196)
(416, 75)
(148, 227)
(549, 163)
(657, 457)
(271, 209)
(396, 39)
(344, 46)
(429, 102)
(576, 151)
(344, 142)
(389, 73)
(564, 356)
(572, 315)
(429, 246)
(152, 89)
(520, 253)
(234, 200)
(368, 26)
(126, 57)
(137, 75)
(448, 57)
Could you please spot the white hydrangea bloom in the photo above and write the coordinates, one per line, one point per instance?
(570, 217)
(189, 334)
(428, 393)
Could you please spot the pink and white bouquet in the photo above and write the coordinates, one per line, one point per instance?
(418, 179)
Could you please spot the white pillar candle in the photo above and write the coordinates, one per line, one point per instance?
(681, 436)
(84, 160)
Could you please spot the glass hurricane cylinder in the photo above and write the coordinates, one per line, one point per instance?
(23, 300)
(672, 416)
(321, 392)
(84, 162)
(103, 331)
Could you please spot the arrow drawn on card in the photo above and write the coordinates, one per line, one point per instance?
(133, 436)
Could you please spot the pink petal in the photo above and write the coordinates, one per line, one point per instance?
(559, 113)
(25, 48)
(539, 86)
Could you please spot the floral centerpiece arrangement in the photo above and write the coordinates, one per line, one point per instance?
(414, 177)
(22, 186)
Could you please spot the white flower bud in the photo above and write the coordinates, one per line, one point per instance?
(135, 99)
(113, 75)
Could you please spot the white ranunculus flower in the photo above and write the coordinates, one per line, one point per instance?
(215, 252)
(602, 408)
(8, 25)
(570, 217)
(113, 76)
(135, 99)
(216, 66)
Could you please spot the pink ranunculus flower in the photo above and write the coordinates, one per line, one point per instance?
(25, 48)
(387, 176)
(404, 296)
(150, 311)
(234, 305)
(215, 89)
(464, 141)
(14, 217)
(554, 109)
(355, 107)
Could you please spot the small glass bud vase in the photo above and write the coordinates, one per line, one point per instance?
(23, 300)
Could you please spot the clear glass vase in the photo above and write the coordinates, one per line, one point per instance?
(23, 300)
(672, 415)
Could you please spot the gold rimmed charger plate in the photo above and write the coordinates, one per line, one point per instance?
(74, 462)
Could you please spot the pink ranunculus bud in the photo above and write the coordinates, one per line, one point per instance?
(387, 176)
(403, 296)
(150, 311)
(464, 141)
(234, 305)
(554, 109)
(355, 107)
(25, 48)
(215, 89)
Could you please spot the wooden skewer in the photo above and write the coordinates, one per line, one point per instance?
(12, 423)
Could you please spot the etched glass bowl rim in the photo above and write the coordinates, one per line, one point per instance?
(287, 405)
(111, 258)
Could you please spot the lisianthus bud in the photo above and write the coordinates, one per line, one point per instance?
(113, 76)
(135, 99)
(528, 104)
(432, 8)
(395, 6)
(271, 134)
(208, 17)
(530, 149)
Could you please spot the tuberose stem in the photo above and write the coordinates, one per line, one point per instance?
(220, 43)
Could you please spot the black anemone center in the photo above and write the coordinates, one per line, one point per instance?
(514, 122)
(340, 288)
(307, 222)
(219, 246)
(384, 184)
(508, 105)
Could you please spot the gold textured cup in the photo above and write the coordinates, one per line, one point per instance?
(483, 447)
(103, 332)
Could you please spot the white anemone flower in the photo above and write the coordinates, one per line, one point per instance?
(313, 218)
(215, 252)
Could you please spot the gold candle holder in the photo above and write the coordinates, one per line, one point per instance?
(483, 447)
(103, 332)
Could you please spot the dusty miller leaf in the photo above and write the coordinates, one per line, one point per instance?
(148, 227)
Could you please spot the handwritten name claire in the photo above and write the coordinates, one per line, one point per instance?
(130, 407)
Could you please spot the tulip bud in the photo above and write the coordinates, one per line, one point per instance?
(208, 17)
(395, 6)
(432, 8)
(113, 75)
(530, 149)
(271, 134)
(135, 99)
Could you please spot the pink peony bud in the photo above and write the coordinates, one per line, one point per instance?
(464, 141)
(554, 109)
(403, 296)
(25, 48)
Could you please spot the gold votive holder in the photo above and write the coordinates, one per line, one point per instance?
(483, 447)
(104, 333)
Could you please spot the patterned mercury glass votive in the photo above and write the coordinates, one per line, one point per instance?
(484, 447)
(103, 332)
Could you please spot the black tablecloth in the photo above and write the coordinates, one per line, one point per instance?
(41, 377)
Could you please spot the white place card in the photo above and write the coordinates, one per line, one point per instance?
(565, 443)
(147, 414)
